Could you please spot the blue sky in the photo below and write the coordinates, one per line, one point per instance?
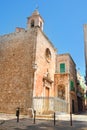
(63, 23)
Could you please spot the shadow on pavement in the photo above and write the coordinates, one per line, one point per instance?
(28, 124)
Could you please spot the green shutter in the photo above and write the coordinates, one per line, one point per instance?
(62, 68)
(71, 84)
(72, 88)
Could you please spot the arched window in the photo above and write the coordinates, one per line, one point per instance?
(32, 23)
(61, 91)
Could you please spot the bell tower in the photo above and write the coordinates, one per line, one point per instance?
(35, 20)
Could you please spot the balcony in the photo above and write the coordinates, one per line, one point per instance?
(58, 71)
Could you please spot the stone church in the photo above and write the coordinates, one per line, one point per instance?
(29, 72)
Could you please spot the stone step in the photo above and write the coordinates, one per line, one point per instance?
(44, 117)
(63, 117)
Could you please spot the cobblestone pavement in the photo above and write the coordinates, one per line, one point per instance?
(9, 122)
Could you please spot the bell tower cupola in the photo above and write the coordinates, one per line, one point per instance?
(35, 20)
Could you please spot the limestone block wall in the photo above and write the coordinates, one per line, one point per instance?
(65, 78)
(43, 66)
(17, 53)
(63, 81)
(70, 66)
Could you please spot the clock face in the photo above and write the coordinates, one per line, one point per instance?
(48, 54)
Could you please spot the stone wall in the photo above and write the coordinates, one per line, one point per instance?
(17, 53)
(63, 79)
(23, 66)
(44, 66)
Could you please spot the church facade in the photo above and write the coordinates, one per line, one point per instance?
(30, 76)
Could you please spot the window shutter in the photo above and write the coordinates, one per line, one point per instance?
(62, 68)
(72, 86)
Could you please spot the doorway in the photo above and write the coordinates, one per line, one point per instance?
(47, 98)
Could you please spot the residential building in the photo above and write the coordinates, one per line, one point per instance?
(85, 50)
(65, 81)
(81, 92)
